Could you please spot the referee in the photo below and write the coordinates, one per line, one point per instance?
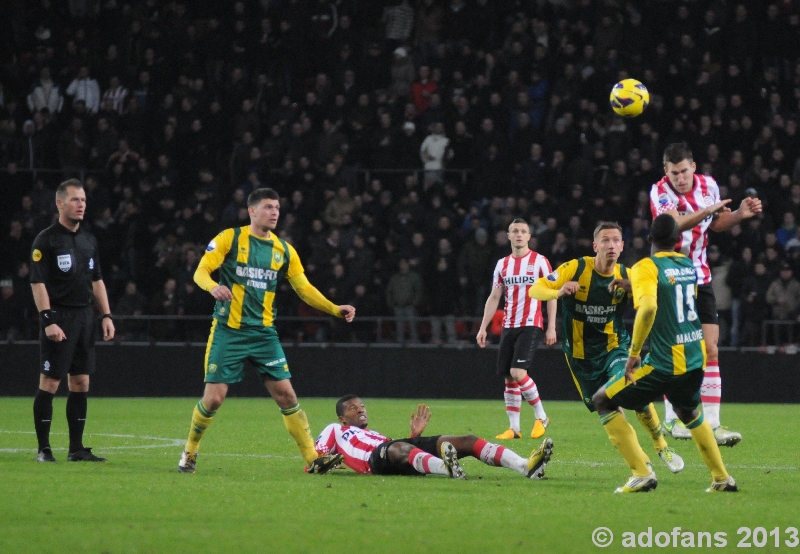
(65, 276)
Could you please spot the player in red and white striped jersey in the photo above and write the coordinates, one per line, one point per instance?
(522, 327)
(694, 201)
(370, 452)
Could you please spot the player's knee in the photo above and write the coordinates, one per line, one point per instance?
(398, 452)
(601, 401)
(78, 383)
(686, 416)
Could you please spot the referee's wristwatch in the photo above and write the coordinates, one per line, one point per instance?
(107, 316)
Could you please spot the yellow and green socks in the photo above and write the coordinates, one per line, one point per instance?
(706, 443)
(649, 420)
(297, 424)
(201, 419)
(623, 437)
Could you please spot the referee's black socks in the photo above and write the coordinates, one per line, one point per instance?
(43, 417)
(76, 419)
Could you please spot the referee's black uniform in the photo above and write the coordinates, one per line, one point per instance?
(67, 264)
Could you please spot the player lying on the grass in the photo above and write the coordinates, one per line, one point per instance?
(664, 286)
(367, 451)
(594, 294)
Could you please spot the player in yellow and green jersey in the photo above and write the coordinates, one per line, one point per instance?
(664, 291)
(251, 261)
(594, 292)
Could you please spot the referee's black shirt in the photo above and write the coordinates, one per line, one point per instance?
(66, 263)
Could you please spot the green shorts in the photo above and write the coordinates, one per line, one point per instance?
(683, 391)
(590, 375)
(228, 349)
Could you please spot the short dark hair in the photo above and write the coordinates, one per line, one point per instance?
(261, 194)
(664, 231)
(519, 220)
(676, 152)
(61, 191)
(603, 225)
(342, 401)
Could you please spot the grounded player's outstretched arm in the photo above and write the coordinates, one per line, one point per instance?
(419, 420)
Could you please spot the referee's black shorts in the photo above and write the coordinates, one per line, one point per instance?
(706, 305)
(73, 355)
(380, 464)
(517, 347)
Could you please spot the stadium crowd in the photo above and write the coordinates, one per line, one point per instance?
(403, 138)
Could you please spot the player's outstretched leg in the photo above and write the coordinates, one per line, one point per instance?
(537, 461)
(450, 459)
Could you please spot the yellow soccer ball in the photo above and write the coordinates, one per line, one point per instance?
(629, 98)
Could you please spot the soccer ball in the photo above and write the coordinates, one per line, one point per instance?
(629, 98)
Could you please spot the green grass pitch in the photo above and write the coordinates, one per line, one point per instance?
(250, 494)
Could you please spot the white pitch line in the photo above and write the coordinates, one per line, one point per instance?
(587, 463)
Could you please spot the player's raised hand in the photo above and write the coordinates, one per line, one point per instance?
(750, 207)
(569, 288)
(420, 419)
(719, 207)
(348, 312)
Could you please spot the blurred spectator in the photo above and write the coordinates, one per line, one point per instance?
(443, 299)
(404, 293)
(132, 303)
(475, 266)
(433, 151)
(164, 303)
(755, 309)
(398, 20)
(783, 296)
(12, 314)
(85, 88)
(45, 94)
(116, 95)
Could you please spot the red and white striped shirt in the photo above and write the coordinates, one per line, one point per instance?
(693, 242)
(354, 443)
(517, 275)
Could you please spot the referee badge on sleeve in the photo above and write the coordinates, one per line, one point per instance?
(64, 262)
(36, 255)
